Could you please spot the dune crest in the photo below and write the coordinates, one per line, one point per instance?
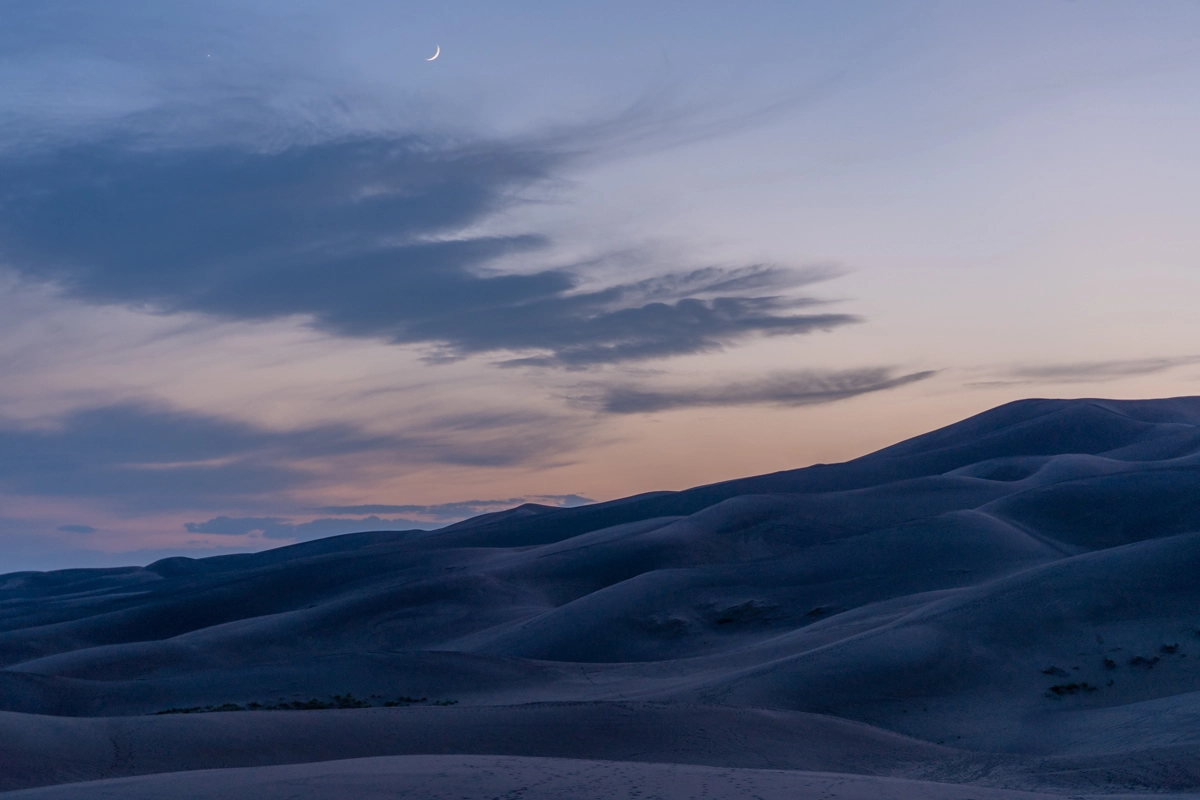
(1012, 602)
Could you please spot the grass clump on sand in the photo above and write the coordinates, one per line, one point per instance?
(1063, 689)
(337, 701)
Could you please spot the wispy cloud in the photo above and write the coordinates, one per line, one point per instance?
(279, 528)
(151, 457)
(1084, 371)
(452, 512)
(564, 500)
(426, 517)
(784, 389)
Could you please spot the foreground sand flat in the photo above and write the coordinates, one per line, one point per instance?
(471, 777)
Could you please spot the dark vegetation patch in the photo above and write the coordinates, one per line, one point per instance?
(665, 625)
(1057, 672)
(336, 701)
(749, 611)
(1063, 689)
(1169, 648)
(1142, 661)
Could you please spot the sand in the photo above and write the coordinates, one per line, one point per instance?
(1009, 603)
(489, 777)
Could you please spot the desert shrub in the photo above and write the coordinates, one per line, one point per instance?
(749, 611)
(348, 701)
(310, 705)
(337, 701)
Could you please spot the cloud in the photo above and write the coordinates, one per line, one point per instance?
(564, 500)
(441, 512)
(1085, 371)
(1098, 371)
(447, 509)
(158, 457)
(76, 529)
(430, 516)
(785, 389)
(368, 236)
(146, 456)
(452, 512)
(278, 528)
(81, 65)
(233, 526)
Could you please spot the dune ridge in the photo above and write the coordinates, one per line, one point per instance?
(1012, 602)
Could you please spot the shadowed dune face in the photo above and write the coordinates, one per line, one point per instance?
(1110, 510)
(1023, 582)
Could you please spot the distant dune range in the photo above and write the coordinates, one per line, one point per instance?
(1011, 602)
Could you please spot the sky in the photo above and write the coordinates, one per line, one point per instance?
(267, 273)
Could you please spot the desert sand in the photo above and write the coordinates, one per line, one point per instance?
(1010, 604)
(469, 777)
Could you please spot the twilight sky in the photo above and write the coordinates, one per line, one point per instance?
(267, 274)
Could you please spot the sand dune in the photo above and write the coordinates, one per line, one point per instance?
(488, 777)
(1011, 601)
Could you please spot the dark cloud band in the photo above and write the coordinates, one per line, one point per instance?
(278, 528)
(77, 529)
(367, 238)
(433, 516)
(150, 457)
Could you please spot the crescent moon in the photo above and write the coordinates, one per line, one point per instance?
(435, 55)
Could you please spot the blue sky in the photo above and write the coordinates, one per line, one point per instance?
(266, 273)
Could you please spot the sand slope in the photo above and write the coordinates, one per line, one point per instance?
(1020, 587)
(488, 777)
